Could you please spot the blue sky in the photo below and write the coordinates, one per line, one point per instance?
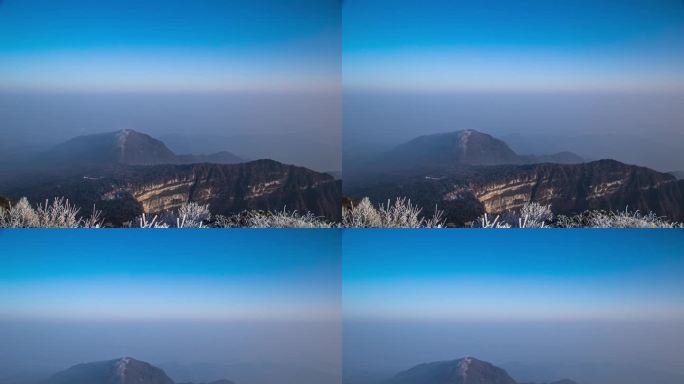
(521, 46)
(513, 275)
(158, 275)
(176, 46)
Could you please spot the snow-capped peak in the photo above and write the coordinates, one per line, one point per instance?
(121, 368)
(463, 367)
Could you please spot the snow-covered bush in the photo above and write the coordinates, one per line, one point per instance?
(188, 215)
(145, 221)
(194, 214)
(534, 215)
(21, 215)
(400, 214)
(486, 221)
(620, 219)
(530, 215)
(60, 213)
(277, 219)
(56, 214)
(363, 215)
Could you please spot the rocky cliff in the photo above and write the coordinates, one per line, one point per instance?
(124, 192)
(466, 192)
(604, 185)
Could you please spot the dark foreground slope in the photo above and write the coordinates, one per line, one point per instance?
(467, 173)
(127, 173)
(123, 192)
(465, 192)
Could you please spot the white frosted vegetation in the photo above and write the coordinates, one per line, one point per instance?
(620, 219)
(530, 215)
(56, 214)
(277, 219)
(193, 215)
(534, 215)
(398, 214)
(188, 215)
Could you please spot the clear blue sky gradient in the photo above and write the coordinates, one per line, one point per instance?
(169, 45)
(520, 46)
(159, 275)
(513, 275)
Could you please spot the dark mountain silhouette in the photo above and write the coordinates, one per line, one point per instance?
(127, 173)
(678, 174)
(222, 157)
(251, 372)
(223, 381)
(467, 370)
(461, 147)
(566, 381)
(124, 192)
(451, 171)
(466, 192)
(119, 371)
(125, 370)
(123, 147)
(465, 147)
(564, 157)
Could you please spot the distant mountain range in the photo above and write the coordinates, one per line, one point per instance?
(127, 173)
(467, 370)
(127, 147)
(125, 370)
(467, 173)
(465, 147)
(678, 174)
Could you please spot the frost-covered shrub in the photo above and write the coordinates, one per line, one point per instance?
(620, 219)
(188, 215)
(363, 215)
(194, 213)
(400, 214)
(530, 215)
(56, 214)
(277, 219)
(534, 215)
(486, 221)
(145, 221)
(21, 215)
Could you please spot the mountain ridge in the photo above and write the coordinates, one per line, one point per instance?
(466, 370)
(126, 146)
(125, 370)
(124, 192)
(113, 173)
(462, 147)
(454, 179)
